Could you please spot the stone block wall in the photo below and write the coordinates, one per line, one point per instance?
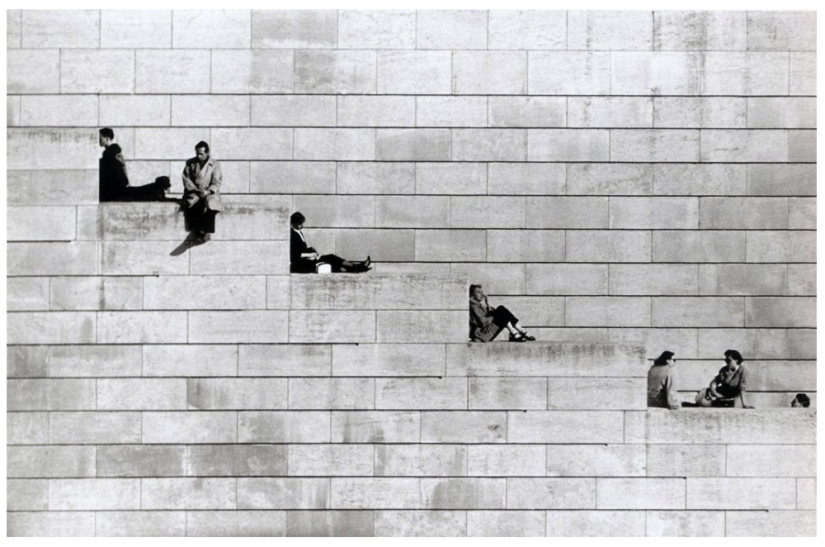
(625, 180)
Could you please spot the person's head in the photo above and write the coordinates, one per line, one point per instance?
(202, 151)
(801, 400)
(732, 356)
(666, 358)
(476, 292)
(106, 137)
(297, 220)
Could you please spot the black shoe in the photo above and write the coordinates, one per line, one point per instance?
(517, 338)
(527, 337)
(367, 262)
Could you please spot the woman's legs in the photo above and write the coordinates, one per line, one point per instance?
(504, 318)
(340, 265)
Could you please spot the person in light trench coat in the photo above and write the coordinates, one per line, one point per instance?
(202, 179)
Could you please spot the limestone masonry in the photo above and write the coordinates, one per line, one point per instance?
(625, 182)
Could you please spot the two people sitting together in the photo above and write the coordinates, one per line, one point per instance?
(202, 180)
(726, 389)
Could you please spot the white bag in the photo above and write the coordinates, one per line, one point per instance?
(323, 268)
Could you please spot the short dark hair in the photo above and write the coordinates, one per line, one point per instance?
(297, 218)
(203, 145)
(803, 399)
(735, 355)
(663, 358)
(473, 289)
(107, 132)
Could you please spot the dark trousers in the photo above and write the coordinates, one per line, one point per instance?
(199, 218)
(308, 266)
(502, 316)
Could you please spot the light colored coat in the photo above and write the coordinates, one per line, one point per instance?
(208, 177)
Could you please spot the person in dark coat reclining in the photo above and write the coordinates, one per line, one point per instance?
(486, 322)
(114, 178)
(304, 259)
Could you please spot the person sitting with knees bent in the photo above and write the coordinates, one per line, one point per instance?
(202, 192)
(661, 384)
(305, 259)
(731, 383)
(486, 323)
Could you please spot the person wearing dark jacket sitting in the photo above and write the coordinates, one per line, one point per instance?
(730, 383)
(661, 382)
(113, 175)
(486, 323)
(305, 259)
(114, 178)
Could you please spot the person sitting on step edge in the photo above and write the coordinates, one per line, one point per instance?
(305, 259)
(728, 386)
(486, 322)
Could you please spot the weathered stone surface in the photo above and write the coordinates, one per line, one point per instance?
(714, 112)
(172, 71)
(526, 178)
(41, 523)
(39, 149)
(419, 523)
(236, 393)
(252, 71)
(332, 393)
(50, 461)
(552, 493)
(99, 494)
(653, 279)
(502, 461)
(685, 523)
(606, 30)
(691, 460)
(236, 460)
(376, 29)
(464, 427)
(463, 493)
(420, 393)
(186, 493)
(546, 359)
(489, 72)
(366, 111)
(335, 71)
(743, 146)
(240, 258)
(607, 246)
(294, 28)
(374, 493)
(190, 427)
(381, 426)
(568, 145)
(489, 145)
(417, 460)
(136, 28)
(802, 74)
(705, 246)
(740, 73)
(655, 145)
(27, 361)
(330, 524)
(331, 460)
(138, 461)
(94, 427)
(770, 523)
(527, 29)
(740, 493)
(33, 71)
(524, 246)
(381, 245)
(655, 73)
(802, 146)
(568, 73)
(781, 30)
(595, 523)
(60, 29)
(27, 428)
(140, 524)
(771, 461)
(559, 426)
(700, 179)
(283, 360)
(420, 326)
(27, 293)
(600, 460)
(211, 29)
(414, 72)
(563, 212)
(283, 427)
(236, 523)
(506, 111)
(640, 493)
(566, 279)
(448, 245)
(700, 30)
(451, 29)
(141, 394)
(617, 394)
(51, 328)
(597, 311)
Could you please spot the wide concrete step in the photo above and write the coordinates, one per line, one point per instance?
(550, 359)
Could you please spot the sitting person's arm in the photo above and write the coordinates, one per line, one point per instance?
(743, 387)
(670, 390)
(478, 317)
